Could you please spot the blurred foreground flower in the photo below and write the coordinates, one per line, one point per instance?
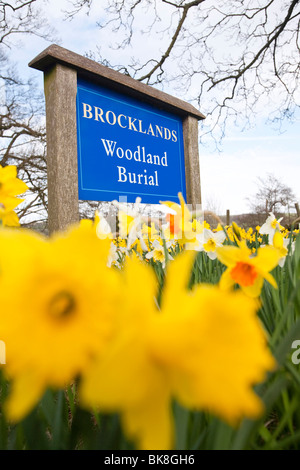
(58, 299)
(8, 217)
(198, 349)
(246, 270)
(10, 187)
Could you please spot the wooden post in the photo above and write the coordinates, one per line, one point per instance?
(228, 217)
(191, 156)
(60, 84)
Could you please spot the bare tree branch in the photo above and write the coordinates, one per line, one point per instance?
(168, 51)
(22, 18)
(234, 59)
(272, 196)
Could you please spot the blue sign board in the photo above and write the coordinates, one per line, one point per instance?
(127, 148)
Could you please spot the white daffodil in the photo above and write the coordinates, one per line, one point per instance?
(132, 211)
(113, 258)
(270, 226)
(209, 241)
(127, 216)
(103, 229)
(116, 255)
(130, 223)
(135, 234)
(158, 253)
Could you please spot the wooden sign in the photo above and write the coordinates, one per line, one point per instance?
(110, 137)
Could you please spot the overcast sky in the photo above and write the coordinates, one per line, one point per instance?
(228, 177)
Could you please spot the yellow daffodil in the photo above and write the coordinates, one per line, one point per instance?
(191, 345)
(198, 229)
(150, 233)
(138, 244)
(120, 242)
(10, 185)
(126, 222)
(197, 349)
(246, 270)
(8, 217)
(198, 226)
(130, 225)
(236, 231)
(128, 216)
(103, 229)
(180, 225)
(58, 299)
(281, 244)
(230, 233)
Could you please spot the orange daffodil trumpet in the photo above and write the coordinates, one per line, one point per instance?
(247, 270)
(180, 225)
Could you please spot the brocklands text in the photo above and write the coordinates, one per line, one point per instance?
(128, 122)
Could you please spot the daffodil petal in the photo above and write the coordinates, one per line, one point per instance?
(151, 426)
(228, 255)
(226, 281)
(26, 390)
(267, 258)
(255, 289)
(177, 279)
(268, 277)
